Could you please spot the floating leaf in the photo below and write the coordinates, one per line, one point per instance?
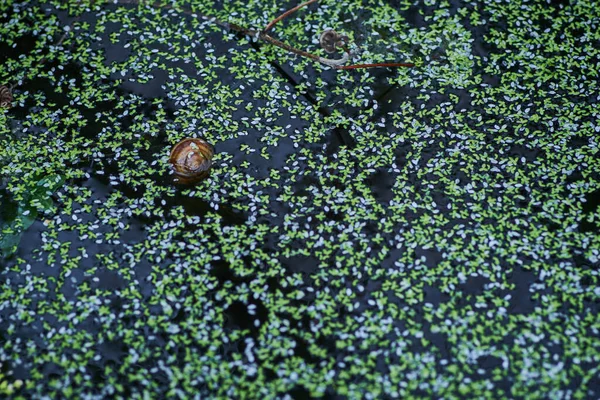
(9, 242)
(38, 200)
(45, 187)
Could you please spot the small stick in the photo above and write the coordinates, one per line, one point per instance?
(333, 63)
(357, 66)
(287, 13)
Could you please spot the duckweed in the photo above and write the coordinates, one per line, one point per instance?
(382, 233)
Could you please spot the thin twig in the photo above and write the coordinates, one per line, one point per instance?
(262, 35)
(286, 14)
(292, 49)
(358, 66)
(337, 64)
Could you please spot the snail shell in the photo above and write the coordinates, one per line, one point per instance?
(191, 160)
(330, 39)
(6, 97)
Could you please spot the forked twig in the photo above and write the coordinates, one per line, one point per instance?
(337, 64)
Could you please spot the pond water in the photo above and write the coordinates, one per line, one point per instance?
(371, 233)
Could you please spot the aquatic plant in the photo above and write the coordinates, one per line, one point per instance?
(8, 387)
(21, 214)
(427, 232)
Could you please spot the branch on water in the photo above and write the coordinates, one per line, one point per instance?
(264, 36)
(359, 66)
(287, 13)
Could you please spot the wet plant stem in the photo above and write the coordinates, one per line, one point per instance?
(287, 13)
(375, 65)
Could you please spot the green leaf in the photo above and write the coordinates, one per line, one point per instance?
(27, 216)
(9, 242)
(43, 204)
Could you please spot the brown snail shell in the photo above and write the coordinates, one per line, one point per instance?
(330, 40)
(6, 97)
(191, 160)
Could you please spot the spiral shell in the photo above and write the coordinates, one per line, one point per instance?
(191, 160)
(330, 40)
(6, 97)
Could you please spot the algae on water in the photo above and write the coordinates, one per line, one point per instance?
(408, 232)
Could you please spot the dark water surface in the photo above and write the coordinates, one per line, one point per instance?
(421, 232)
